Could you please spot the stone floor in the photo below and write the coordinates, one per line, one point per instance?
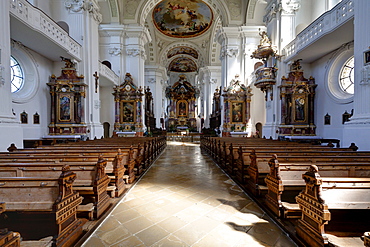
(184, 199)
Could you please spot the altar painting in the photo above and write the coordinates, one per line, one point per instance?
(182, 18)
(237, 110)
(128, 111)
(299, 110)
(182, 108)
(65, 108)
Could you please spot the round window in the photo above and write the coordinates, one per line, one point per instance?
(17, 78)
(346, 78)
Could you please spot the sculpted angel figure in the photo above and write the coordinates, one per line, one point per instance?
(265, 41)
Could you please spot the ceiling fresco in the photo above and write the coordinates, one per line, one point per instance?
(182, 18)
(182, 50)
(182, 64)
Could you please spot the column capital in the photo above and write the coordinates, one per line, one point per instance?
(91, 6)
(290, 6)
(139, 33)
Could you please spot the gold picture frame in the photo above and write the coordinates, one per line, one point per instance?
(182, 108)
(237, 111)
(65, 109)
(128, 111)
(300, 108)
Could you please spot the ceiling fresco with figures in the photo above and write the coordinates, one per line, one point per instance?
(185, 28)
(182, 50)
(182, 64)
(182, 18)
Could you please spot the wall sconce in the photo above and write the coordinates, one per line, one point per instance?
(2, 80)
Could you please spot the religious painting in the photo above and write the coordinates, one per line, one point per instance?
(182, 50)
(299, 110)
(237, 110)
(182, 108)
(24, 117)
(65, 108)
(36, 118)
(128, 111)
(183, 64)
(182, 18)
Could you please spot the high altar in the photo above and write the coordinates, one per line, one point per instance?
(67, 102)
(128, 104)
(182, 98)
(297, 96)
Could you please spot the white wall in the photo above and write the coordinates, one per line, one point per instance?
(324, 103)
(40, 69)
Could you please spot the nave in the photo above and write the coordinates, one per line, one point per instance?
(184, 199)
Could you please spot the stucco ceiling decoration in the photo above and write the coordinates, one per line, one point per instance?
(182, 18)
(182, 50)
(182, 64)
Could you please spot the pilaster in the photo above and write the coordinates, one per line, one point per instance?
(359, 124)
(84, 27)
(134, 52)
(10, 129)
(154, 78)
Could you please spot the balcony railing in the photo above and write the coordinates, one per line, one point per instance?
(326, 23)
(37, 20)
(108, 73)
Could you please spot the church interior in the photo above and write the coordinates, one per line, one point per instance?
(135, 100)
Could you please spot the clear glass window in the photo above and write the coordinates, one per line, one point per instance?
(17, 77)
(346, 78)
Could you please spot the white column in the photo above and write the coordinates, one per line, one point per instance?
(230, 40)
(359, 125)
(84, 18)
(251, 39)
(154, 78)
(135, 56)
(10, 129)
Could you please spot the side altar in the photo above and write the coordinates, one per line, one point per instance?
(237, 100)
(128, 107)
(68, 93)
(297, 96)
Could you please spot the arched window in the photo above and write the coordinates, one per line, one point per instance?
(346, 78)
(340, 75)
(17, 77)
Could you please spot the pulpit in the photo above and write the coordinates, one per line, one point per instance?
(297, 96)
(68, 93)
(128, 106)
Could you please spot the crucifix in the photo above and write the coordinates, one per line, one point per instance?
(96, 81)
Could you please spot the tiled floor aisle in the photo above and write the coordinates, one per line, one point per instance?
(186, 200)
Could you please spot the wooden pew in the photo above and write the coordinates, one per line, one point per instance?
(8, 238)
(90, 182)
(284, 182)
(258, 168)
(82, 155)
(48, 200)
(332, 206)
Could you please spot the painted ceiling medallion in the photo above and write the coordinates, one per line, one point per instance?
(182, 18)
(180, 50)
(182, 64)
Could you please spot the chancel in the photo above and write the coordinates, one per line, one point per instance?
(184, 122)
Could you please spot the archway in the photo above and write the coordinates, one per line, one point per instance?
(106, 128)
(258, 130)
